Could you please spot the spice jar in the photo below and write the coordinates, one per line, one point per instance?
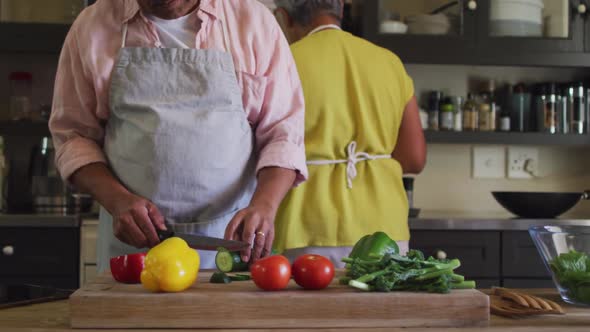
(433, 109)
(447, 113)
(470, 114)
(21, 89)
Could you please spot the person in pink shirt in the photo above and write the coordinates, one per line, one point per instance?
(182, 114)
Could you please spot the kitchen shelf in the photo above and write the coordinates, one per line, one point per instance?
(24, 128)
(510, 138)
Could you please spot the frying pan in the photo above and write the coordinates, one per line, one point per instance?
(538, 204)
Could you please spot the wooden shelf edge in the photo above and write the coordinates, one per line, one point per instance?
(507, 138)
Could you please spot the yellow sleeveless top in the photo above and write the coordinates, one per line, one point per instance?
(354, 91)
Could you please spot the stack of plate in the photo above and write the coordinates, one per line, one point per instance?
(424, 24)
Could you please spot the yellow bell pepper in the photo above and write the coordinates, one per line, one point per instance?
(171, 266)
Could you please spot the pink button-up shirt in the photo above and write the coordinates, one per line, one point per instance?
(271, 90)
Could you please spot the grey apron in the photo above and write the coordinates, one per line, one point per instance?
(178, 135)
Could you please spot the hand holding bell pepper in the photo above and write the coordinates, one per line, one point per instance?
(376, 244)
(171, 266)
(127, 268)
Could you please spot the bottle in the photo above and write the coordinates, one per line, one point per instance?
(578, 114)
(563, 101)
(433, 110)
(470, 114)
(458, 115)
(20, 95)
(520, 105)
(494, 110)
(547, 114)
(447, 113)
(485, 110)
(504, 119)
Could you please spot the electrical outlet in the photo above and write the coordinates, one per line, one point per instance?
(522, 162)
(489, 162)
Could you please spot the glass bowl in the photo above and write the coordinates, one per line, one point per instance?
(566, 253)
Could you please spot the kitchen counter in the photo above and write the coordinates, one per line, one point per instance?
(449, 220)
(55, 317)
(39, 220)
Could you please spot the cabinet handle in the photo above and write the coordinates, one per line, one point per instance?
(440, 254)
(472, 5)
(8, 250)
(582, 9)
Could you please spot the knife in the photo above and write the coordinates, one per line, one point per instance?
(204, 242)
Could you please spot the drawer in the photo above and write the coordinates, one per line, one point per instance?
(479, 251)
(39, 251)
(89, 238)
(520, 258)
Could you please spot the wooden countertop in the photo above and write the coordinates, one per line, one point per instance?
(54, 316)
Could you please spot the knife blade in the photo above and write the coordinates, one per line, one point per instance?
(204, 242)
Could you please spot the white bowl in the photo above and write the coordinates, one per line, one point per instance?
(393, 27)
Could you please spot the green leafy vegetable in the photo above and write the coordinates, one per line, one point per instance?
(393, 272)
(572, 271)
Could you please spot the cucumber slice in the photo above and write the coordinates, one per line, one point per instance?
(219, 278)
(228, 261)
(240, 277)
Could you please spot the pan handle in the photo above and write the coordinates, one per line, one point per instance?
(586, 194)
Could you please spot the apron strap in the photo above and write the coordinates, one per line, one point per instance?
(353, 158)
(324, 27)
(124, 38)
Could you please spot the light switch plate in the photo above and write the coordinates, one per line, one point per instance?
(489, 162)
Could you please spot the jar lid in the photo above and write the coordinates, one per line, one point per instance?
(20, 76)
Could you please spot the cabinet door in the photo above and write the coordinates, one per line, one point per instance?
(449, 35)
(486, 283)
(67, 282)
(523, 31)
(37, 252)
(479, 251)
(520, 257)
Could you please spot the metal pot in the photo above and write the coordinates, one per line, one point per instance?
(538, 204)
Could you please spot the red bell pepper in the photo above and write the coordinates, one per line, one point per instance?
(127, 268)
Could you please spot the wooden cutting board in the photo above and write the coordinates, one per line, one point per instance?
(105, 303)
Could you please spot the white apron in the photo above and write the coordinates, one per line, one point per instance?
(335, 254)
(178, 135)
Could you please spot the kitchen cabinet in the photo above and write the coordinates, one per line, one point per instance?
(479, 252)
(520, 257)
(491, 258)
(477, 37)
(40, 255)
(34, 36)
(88, 257)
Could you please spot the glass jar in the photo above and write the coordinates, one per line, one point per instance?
(434, 100)
(20, 95)
(447, 113)
(458, 115)
(470, 114)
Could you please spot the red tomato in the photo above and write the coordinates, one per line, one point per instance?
(127, 268)
(271, 273)
(313, 271)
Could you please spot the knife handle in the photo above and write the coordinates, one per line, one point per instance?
(163, 235)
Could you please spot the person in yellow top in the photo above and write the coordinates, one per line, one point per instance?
(362, 133)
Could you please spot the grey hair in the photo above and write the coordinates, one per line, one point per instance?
(303, 11)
